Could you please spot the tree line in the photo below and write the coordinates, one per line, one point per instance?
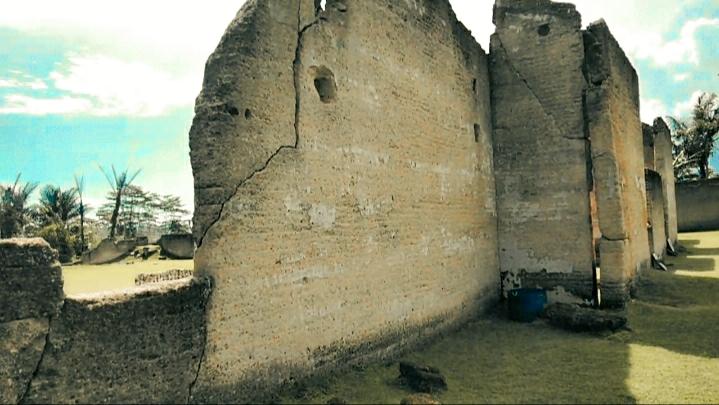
(59, 216)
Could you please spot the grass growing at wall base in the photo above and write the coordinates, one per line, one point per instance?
(671, 354)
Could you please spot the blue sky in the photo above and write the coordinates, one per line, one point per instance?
(86, 83)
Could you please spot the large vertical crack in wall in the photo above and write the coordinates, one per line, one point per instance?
(296, 81)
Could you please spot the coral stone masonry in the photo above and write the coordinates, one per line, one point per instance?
(366, 177)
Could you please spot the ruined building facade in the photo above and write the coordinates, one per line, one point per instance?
(366, 177)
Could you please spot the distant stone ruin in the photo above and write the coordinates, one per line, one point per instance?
(367, 177)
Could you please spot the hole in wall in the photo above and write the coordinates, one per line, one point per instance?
(474, 85)
(324, 83)
(248, 114)
(322, 5)
(477, 132)
(543, 30)
(232, 110)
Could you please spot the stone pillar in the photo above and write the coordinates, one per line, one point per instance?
(617, 156)
(664, 165)
(540, 148)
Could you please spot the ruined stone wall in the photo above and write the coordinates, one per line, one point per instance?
(648, 138)
(617, 156)
(697, 208)
(655, 210)
(540, 148)
(343, 175)
(30, 295)
(143, 345)
(664, 165)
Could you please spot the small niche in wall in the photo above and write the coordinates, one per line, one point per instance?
(232, 110)
(477, 132)
(543, 30)
(325, 85)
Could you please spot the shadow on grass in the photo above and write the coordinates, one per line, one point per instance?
(689, 242)
(699, 264)
(679, 313)
(494, 360)
(696, 251)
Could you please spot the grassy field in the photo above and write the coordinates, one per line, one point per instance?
(671, 354)
(117, 276)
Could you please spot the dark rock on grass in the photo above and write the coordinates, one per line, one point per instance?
(422, 378)
(419, 399)
(336, 401)
(581, 319)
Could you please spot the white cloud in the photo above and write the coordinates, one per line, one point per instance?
(118, 87)
(20, 104)
(34, 84)
(104, 86)
(682, 50)
(682, 109)
(176, 36)
(681, 77)
(652, 108)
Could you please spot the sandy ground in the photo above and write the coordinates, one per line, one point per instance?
(116, 276)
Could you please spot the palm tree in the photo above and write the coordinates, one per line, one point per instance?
(14, 207)
(58, 206)
(695, 140)
(80, 187)
(119, 183)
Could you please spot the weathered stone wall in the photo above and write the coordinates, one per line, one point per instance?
(655, 209)
(617, 156)
(697, 208)
(540, 148)
(648, 138)
(664, 165)
(343, 176)
(30, 295)
(143, 345)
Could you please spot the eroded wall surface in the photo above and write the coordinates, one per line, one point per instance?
(30, 295)
(540, 148)
(655, 210)
(697, 208)
(372, 224)
(617, 156)
(664, 165)
(143, 345)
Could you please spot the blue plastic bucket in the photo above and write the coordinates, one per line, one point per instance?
(525, 304)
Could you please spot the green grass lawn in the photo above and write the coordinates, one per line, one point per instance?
(117, 276)
(671, 354)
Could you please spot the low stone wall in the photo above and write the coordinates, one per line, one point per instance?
(170, 275)
(697, 208)
(141, 345)
(30, 295)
